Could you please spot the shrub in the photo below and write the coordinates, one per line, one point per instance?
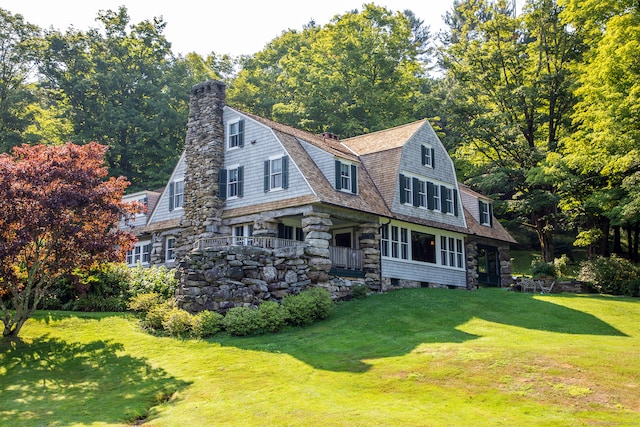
(160, 280)
(308, 306)
(539, 268)
(562, 264)
(142, 303)
(274, 316)
(177, 322)
(241, 321)
(156, 315)
(206, 323)
(359, 291)
(97, 303)
(614, 275)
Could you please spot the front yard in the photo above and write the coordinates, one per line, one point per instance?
(421, 357)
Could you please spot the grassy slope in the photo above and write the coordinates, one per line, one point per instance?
(413, 357)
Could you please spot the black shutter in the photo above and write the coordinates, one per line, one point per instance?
(455, 202)
(338, 175)
(430, 202)
(266, 176)
(241, 133)
(443, 199)
(171, 194)
(416, 195)
(285, 172)
(402, 195)
(240, 181)
(433, 158)
(423, 155)
(490, 209)
(222, 184)
(354, 179)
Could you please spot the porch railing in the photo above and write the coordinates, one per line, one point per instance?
(348, 258)
(257, 241)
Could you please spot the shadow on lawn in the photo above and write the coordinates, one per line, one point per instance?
(85, 382)
(395, 323)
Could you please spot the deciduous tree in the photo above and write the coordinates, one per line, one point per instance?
(58, 212)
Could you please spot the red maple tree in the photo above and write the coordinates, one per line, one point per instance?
(59, 211)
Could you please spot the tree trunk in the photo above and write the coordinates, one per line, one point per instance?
(630, 241)
(617, 245)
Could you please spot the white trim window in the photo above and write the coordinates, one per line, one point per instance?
(140, 253)
(346, 176)
(436, 198)
(276, 173)
(236, 134)
(427, 155)
(448, 200)
(242, 234)
(451, 252)
(485, 213)
(170, 249)
(420, 187)
(233, 183)
(176, 194)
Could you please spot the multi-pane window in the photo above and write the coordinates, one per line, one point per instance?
(448, 200)
(421, 193)
(242, 234)
(436, 197)
(346, 176)
(407, 189)
(427, 156)
(170, 250)
(236, 134)
(176, 194)
(485, 212)
(451, 252)
(141, 253)
(384, 241)
(232, 183)
(276, 173)
(399, 242)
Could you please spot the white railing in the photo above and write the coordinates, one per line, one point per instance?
(345, 257)
(257, 241)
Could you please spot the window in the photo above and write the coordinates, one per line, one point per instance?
(451, 252)
(486, 213)
(276, 173)
(399, 242)
(420, 193)
(447, 206)
(423, 247)
(242, 234)
(384, 241)
(145, 202)
(176, 194)
(346, 176)
(231, 182)
(236, 134)
(436, 197)
(141, 253)
(407, 190)
(427, 156)
(170, 253)
(290, 232)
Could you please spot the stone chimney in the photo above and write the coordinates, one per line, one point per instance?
(204, 156)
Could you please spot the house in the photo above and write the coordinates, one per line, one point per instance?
(385, 208)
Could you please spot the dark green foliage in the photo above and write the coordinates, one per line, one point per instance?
(160, 280)
(241, 321)
(308, 306)
(206, 324)
(616, 276)
(359, 292)
(274, 315)
(539, 268)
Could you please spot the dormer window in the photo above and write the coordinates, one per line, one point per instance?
(428, 155)
(176, 194)
(346, 176)
(486, 214)
(236, 134)
(276, 173)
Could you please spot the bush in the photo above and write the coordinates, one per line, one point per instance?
(95, 303)
(359, 292)
(206, 324)
(274, 316)
(614, 275)
(157, 314)
(539, 268)
(308, 306)
(142, 303)
(160, 280)
(177, 322)
(241, 321)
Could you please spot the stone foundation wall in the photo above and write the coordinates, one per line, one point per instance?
(221, 278)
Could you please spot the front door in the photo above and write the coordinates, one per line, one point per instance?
(488, 266)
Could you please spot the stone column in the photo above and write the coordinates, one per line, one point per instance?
(315, 226)
(506, 272)
(370, 247)
(472, 263)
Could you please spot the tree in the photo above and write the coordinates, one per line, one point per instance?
(510, 101)
(58, 212)
(19, 47)
(360, 73)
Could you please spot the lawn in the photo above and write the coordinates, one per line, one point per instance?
(421, 357)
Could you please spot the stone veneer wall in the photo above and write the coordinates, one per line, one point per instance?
(204, 155)
(504, 257)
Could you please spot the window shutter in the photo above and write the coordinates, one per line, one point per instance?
(285, 172)
(240, 181)
(416, 195)
(423, 155)
(455, 202)
(402, 196)
(222, 184)
(171, 194)
(354, 179)
(443, 199)
(266, 175)
(480, 208)
(433, 158)
(490, 209)
(338, 175)
(430, 203)
(241, 133)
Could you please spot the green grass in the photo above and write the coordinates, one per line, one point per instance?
(422, 357)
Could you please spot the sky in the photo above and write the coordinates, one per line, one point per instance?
(225, 27)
